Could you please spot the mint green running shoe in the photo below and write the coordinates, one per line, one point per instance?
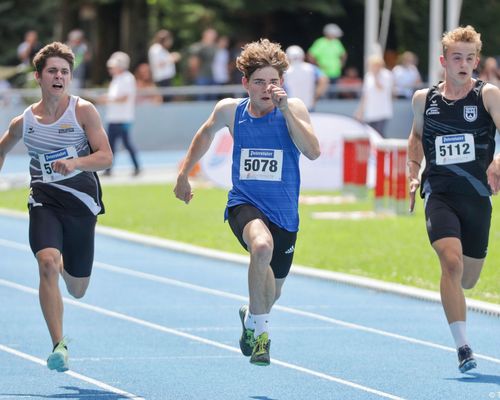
(58, 360)
(246, 339)
(260, 353)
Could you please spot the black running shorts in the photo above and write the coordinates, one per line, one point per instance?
(73, 236)
(283, 240)
(465, 217)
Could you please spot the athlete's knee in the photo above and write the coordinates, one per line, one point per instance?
(469, 282)
(49, 264)
(262, 250)
(451, 263)
(77, 289)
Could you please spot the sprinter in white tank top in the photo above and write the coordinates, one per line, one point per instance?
(53, 71)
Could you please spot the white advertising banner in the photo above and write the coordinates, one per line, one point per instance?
(324, 173)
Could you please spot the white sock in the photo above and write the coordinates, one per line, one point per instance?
(261, 323)
(458, 330)
(248, 321)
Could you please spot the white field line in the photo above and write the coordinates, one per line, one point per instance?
(353, 280)
(73, 374)
(164, 329)
(233, 296)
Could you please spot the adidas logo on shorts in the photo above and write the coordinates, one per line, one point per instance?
(290, 250)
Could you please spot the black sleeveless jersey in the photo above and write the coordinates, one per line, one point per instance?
(458, 142)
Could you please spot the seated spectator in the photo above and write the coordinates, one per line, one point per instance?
(406, 76)
(349, 84)
(147, 91)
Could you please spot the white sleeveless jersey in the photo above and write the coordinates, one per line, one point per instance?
(77, 193)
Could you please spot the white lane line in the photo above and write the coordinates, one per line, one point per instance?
(220, 293)
(200, 339)
(352, 280)
(73, 374)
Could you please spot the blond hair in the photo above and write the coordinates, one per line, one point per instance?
(462, 34)
(261, 54)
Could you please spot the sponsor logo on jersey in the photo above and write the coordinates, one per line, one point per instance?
(65, 128)
(31, 130)
(433, 108)
(470, 113)
(432, 111)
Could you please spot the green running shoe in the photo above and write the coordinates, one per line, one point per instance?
(260, 354)
(58, 360)
(246, 339)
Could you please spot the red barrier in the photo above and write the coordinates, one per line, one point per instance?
(356, 155)
(391, 191)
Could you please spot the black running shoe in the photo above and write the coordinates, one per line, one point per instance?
(466, 359)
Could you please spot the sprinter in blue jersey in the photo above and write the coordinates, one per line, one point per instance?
(454, 128)
(67, 144)
(269, 132)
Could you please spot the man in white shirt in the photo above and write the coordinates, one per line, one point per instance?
(304, 80)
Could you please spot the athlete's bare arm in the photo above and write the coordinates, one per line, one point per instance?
(491, 98)
(11, 136)
(222, 116)
(101, 156)
(415, 150)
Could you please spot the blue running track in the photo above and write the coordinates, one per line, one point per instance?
(163, 324)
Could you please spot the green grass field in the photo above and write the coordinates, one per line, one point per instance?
(394, 249)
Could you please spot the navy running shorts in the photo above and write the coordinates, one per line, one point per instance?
(73, 236)
(461, 216)
(283, 240)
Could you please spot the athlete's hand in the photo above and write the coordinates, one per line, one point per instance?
(493, 174)
(64, 167)
(414, 185)
(278, 96)
(182, 189)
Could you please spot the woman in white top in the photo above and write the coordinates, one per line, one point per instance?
(375, 107)
(120, 100)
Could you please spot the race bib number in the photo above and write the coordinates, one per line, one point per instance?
(455, 149)
(261, 164)
(47, 160)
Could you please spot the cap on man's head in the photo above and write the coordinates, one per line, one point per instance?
(332, 30)
(119, 59)
(295, 53)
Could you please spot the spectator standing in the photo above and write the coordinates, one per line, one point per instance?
(201, 58)
(329, 53)
(77, 43)
(375, 107)
(120, 101)
(220, 65)
(304, 80)
(28, 48)
(162, 61)
(406, 76)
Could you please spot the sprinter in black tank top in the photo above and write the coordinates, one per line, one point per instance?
(453, 128)
(70, 145)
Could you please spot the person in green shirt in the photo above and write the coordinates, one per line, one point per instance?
(328, 52)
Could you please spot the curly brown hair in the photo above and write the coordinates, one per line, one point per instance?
(54, 49)
(261, 54)
(462, 34)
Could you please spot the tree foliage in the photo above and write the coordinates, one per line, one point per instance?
(130, 24)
